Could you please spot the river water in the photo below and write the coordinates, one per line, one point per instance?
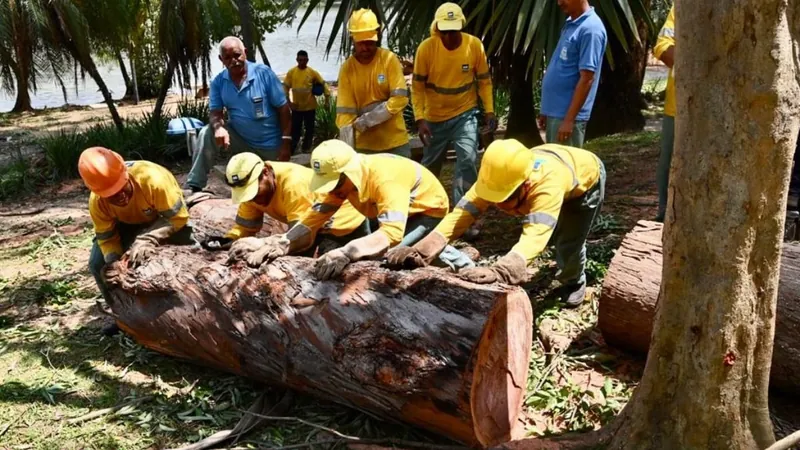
(281, 48)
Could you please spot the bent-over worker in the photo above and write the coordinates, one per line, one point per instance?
(281, 190)
(136, 205)
(372, 93)
(404, 197)
(558, 190)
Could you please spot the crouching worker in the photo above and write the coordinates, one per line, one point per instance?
(135, 206)
(558, 191)
(404, 197)
(281, 190)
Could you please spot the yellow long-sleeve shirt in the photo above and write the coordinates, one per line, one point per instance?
(560, 174)
(447, 83)
(666, 39)
(299, 82)
(392, 189)
(156, 194)
(362, 87)
(292, 200)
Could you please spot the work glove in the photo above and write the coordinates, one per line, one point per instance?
(141, 251)
(331, 264)
(243, 247)
(217, 243)
(420, 255)
(347, 134)
(510, 269)
(373, 118)
(274, 246)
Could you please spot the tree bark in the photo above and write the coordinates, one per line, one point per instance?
(705, 385)
(125, 77)
(248, 29)
(23, 102)
(619, 101)
(418, 346)
(263, 55)
(88, 64)
(166, 82)
(522, 115)
(629, 298)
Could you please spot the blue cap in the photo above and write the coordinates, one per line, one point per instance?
(181, 125)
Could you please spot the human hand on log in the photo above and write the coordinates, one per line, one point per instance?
(405, 257)
(243, 247)
(509, 269)
(140, 251)
(113, 275)
(331, 264)
(274, 246)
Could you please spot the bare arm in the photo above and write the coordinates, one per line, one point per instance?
(285, 114)
(668, 57)
(217, 120)
(579, 96)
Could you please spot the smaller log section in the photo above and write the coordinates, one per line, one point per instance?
(423, 346)
(630, 295)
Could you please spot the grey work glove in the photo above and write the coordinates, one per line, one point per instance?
(331, 264)
(273, 247)
(243, 247)
(373, 118)
(347, 134)
(420, 255)
(510, 269)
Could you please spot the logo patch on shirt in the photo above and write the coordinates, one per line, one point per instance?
(537, 165)
(563, 54)
(381, 78)
(465, 67)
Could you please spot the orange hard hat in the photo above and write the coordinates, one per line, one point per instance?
(103, 171)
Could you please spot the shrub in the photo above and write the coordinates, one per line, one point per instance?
(325, 122)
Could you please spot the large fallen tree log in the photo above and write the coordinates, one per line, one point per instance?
(630, 295)
(422, 347)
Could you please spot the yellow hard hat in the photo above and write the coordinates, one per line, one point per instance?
(242, 175)
(506, 164)
(449, 17)
(363, 25)
(331, 159)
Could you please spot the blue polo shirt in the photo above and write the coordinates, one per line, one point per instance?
(252, 108)
(581, 47)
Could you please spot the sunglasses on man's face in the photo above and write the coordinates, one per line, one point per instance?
(240, 182)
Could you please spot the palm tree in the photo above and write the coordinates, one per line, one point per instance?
(519, 36)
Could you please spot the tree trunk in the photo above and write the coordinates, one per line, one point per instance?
(90, 67)
(132, 58)
(705, 384)
(522, 115)
(248, 30)
(125, 77)
(263, 55)
(166, 82)
(23, 102)
(418, 346)
(619, 101)
(630, 294)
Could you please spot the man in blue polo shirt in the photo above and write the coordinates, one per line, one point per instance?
(259, 118)
(570, 82)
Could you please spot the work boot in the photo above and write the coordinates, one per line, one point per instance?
(111, 329)
(573, 295)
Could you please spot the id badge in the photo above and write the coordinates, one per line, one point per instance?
(258, 103)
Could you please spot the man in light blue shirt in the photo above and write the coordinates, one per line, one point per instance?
(570, 82)
(259, 117)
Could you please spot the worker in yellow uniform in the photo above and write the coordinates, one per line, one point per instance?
(664, 50)
(280, 190)
(372, 93)
(302, 82)
(450, 73)
(558, 190)
(404, 197)
(135, 206)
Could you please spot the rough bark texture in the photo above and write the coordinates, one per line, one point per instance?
(423, 347)
(619, 101)
(522, 115)
(706, 381)
(166, 82)
(630, 294)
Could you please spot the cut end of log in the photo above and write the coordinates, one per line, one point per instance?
(501, 370)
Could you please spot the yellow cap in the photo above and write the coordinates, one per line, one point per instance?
(363, 25)
(242, 175)
(506, 164)
(331, 159)
(449, 17)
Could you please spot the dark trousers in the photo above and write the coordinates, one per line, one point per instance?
(299, 120)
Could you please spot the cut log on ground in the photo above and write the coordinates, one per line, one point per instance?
(630, 295)
(420, 346)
